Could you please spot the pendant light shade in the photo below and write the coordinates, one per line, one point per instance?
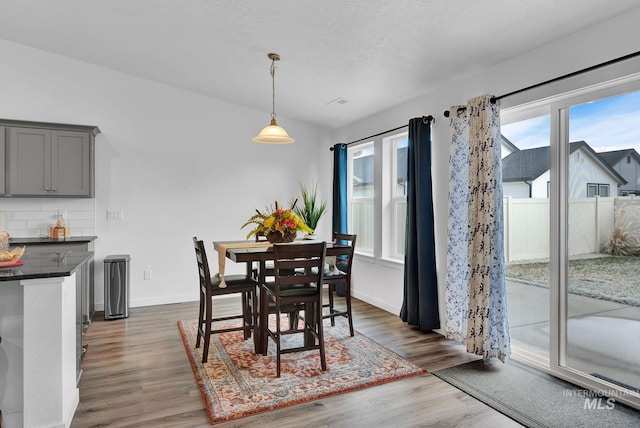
(273, 134)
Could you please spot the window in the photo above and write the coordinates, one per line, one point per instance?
(377, 174)
(361, 195)
(594, 189)
(398, 200)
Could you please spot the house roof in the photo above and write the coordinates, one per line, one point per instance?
(525, 165)
(529, 164)
(508, 143)
(615, 156)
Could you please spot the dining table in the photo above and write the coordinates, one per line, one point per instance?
(245, 252)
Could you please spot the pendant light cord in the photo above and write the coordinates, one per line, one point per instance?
(273, 88)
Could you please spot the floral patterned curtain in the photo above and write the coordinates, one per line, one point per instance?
(457, 274)
(476, 306)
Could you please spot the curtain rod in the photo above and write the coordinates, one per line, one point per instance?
(425, 119)
(566, 76)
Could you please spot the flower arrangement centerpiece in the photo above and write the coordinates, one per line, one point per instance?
(277, 224)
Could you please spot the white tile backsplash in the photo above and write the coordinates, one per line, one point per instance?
(31, 217)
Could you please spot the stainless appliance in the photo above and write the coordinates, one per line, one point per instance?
(116, 286)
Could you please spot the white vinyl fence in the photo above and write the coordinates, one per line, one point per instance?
(591, 221)
(526, 224)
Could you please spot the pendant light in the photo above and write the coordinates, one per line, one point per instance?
(273, 134)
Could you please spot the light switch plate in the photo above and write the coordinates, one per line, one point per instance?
(115, 214)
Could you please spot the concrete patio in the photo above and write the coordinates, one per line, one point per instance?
(602, 335)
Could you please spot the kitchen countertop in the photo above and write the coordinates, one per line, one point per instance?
(71, 239)
(46, 265)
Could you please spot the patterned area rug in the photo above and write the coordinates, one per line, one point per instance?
(236, 382)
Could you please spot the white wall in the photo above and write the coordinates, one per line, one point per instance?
(540, 186)
(600, 43)
(516, 189)
(583, 170)
(178, 164)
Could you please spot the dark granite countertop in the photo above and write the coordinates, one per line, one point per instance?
(70, 240)
(45, 265)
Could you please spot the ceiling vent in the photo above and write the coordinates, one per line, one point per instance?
(338, 100)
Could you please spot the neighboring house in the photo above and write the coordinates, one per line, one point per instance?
(525, 173)
(506, 147)
(626, 163)
(363, 175)
(363, 169)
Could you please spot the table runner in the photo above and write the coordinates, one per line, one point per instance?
(222, 255)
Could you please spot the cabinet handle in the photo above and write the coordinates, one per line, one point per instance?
(47, 189)
(54, 190)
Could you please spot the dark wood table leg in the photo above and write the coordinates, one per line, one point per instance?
(263, 317)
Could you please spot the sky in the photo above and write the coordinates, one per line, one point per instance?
(607, 124)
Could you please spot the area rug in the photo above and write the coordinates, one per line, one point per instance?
(236, 382)
(537, 399)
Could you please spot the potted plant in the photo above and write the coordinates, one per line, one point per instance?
(277, 224)
(311, 209)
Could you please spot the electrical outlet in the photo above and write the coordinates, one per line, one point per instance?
(147, 275)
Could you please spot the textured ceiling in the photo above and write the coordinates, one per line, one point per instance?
(373, 53)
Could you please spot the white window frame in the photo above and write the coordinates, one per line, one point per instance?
(352, 199)
(390, 163)
(598, 189)
(384, 202)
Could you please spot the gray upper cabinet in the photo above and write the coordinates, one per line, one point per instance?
(71, 163)
(44, 159)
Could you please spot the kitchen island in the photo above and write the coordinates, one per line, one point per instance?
(41, 338)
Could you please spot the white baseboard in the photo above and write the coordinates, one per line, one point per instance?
(376, 302)
(167, 300)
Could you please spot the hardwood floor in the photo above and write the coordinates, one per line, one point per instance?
(136, 373)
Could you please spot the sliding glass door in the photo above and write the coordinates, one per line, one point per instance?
(525, 174)
(571, 168)
(602, 316)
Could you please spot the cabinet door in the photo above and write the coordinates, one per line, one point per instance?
(70, 164)
(79, 328)
(2, 161)
(29, 161)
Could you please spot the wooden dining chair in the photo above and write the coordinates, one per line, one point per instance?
(261, 237)
(341, 274)
(210, 288)
(269, 273)
(298, 269)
